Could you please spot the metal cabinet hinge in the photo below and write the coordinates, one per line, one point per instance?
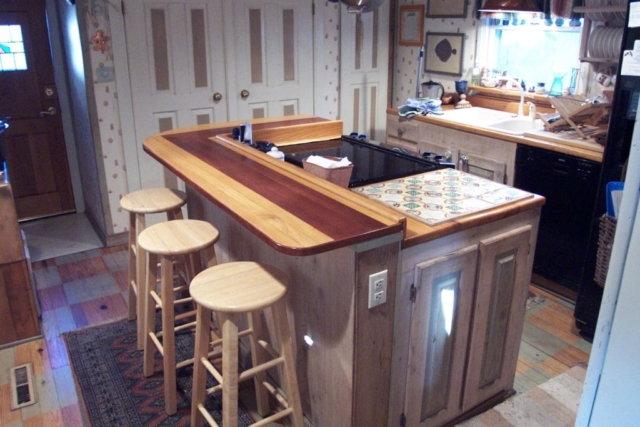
(412, 293)
(403, 417)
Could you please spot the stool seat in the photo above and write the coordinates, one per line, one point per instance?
(153, 200)
(181, 237)
(238, 287)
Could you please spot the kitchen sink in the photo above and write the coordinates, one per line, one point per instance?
(517, 126)
(476, 116)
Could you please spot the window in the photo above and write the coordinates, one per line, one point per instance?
(12, 55)
(533, 50)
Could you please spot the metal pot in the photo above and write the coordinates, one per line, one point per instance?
(432, 90)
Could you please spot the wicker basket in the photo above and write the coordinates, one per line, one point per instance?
(605, 244)
(339, 176)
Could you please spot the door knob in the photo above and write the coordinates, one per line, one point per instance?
(244, 94)
(217, 96)
(50, 112)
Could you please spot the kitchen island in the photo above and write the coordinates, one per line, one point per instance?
(459, 285)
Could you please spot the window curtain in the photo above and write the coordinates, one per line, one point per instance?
(552, 8)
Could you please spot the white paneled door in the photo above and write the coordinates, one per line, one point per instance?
(270, 57)
(176, 64)
(202, 61)
(364, 71)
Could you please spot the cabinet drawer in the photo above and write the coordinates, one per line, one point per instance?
(407, 145)
(402, 129)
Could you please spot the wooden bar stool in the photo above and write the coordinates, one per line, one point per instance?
(229, 290)
(138, 204)
(173, 243)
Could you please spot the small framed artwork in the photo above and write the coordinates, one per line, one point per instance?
(443, 53)
(447, 9)
(411, 25)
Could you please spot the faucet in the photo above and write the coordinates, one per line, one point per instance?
(532, 110)
(519, 84)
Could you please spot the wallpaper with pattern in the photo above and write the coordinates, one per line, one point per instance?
(407, 57)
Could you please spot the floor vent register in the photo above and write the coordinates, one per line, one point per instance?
(22, 391)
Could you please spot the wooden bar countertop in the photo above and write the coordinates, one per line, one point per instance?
(293, 211)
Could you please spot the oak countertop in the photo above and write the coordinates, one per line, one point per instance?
(294, 212)
(533, 142)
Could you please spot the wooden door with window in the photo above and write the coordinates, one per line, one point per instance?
(33, 146)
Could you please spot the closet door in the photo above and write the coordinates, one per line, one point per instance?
(364, 71)
(270, 57)
(176, 63)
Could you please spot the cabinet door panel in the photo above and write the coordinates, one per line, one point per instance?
(402, 133)
(498, 315)
(483, 167)
(439, 335)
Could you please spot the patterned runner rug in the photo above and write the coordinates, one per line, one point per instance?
(108, 371)
(553, 403)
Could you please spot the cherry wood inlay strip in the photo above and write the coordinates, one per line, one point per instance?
(324, 213)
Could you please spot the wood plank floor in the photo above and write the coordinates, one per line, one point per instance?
(89, 288)
(551, 344)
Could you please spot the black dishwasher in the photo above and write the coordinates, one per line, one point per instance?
(569, 184)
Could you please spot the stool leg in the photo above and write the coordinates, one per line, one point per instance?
(229, 369)
(198, 394)
(289, 382)
(132, 299)
(150, 314)
(174, 214)
(257, 358)
(140, 280)
(168, 335)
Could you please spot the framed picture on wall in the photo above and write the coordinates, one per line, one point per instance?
(411, 25)
(447, 9)
(443, 53)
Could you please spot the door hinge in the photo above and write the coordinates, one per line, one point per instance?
(403, 417)
(122, 7)
(412, 293)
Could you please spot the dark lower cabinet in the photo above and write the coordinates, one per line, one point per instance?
(569, 185)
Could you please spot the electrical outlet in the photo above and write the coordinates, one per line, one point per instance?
(377, 288)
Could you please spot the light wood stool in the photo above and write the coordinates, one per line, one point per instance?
(170, 242)
(138, 204)
(229, 290)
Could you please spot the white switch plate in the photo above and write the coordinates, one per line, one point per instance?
(377, 288)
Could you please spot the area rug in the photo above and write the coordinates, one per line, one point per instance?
(108, 371)
(552, 403)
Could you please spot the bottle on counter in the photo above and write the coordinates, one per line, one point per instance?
(276, 153)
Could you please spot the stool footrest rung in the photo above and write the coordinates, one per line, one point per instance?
(183, 300)
(241, 334)
(213, 371)
(157, 342)
(272, 418)
(269, 349)
(156, 298)
(134, 286)
(207, 416)
(276, 393)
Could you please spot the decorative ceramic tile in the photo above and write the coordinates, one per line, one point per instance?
(441, 195)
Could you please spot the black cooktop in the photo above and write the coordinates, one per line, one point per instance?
(371, 163)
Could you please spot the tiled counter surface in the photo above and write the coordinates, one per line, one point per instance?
(441, 195)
